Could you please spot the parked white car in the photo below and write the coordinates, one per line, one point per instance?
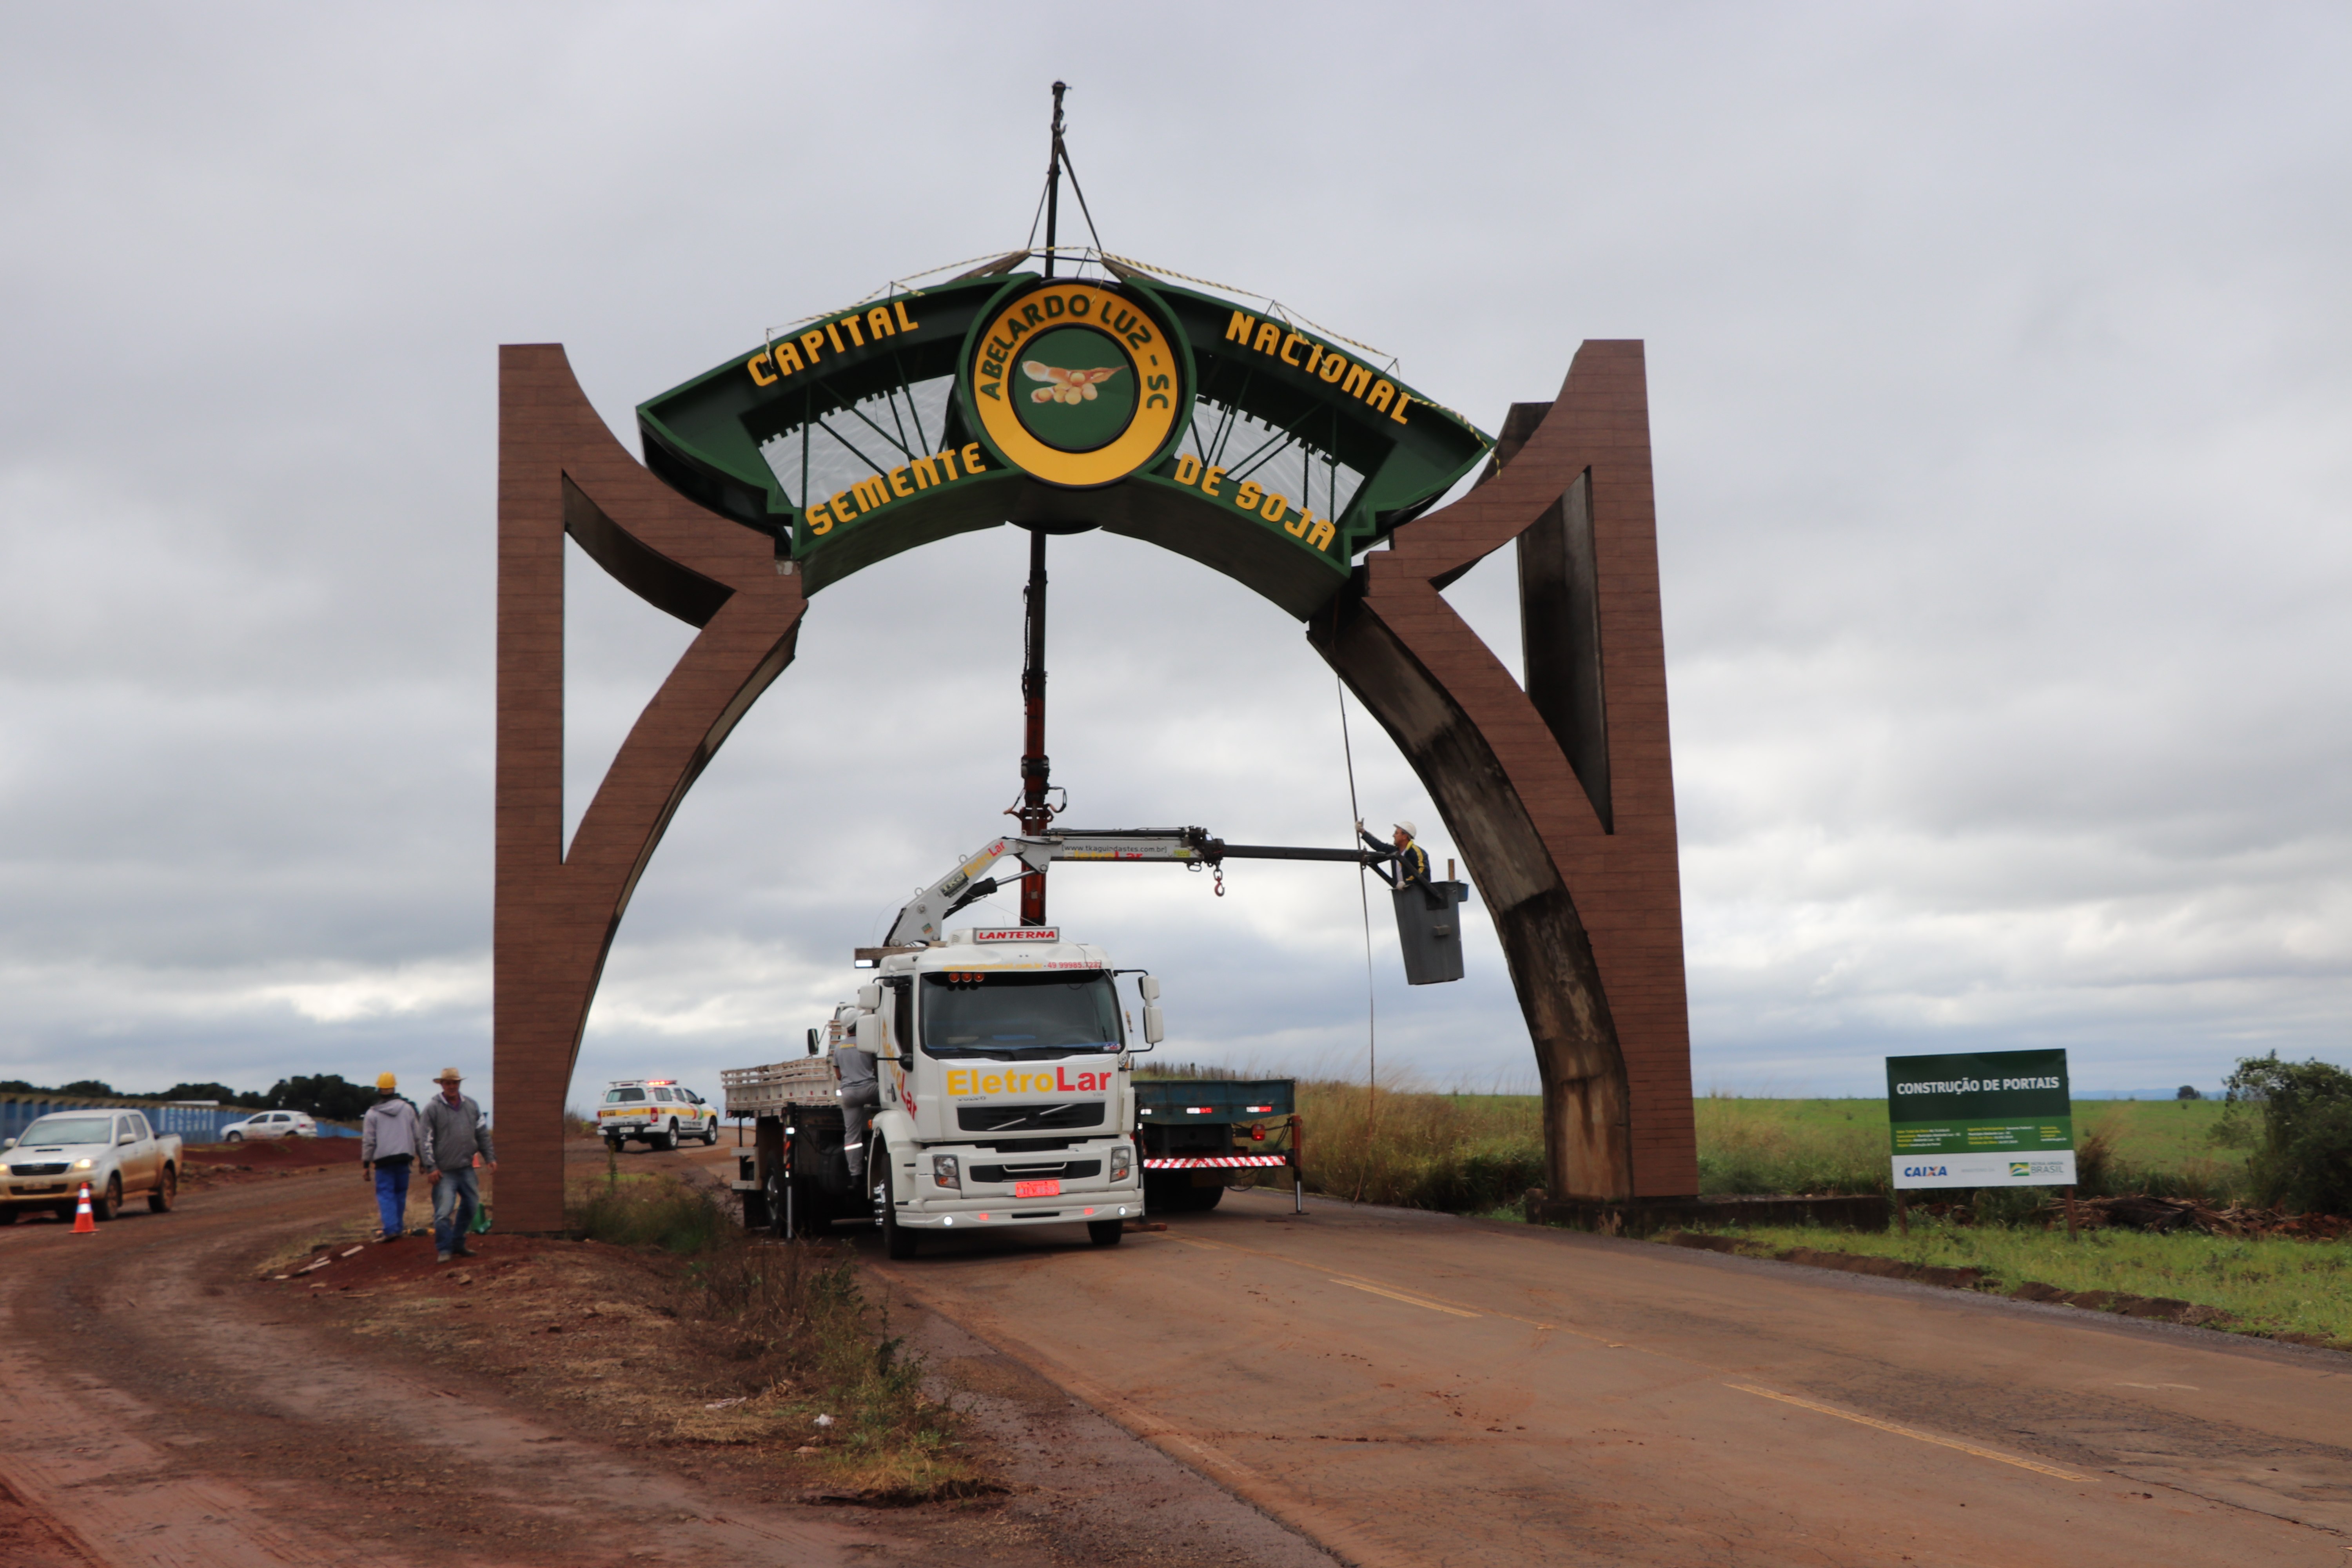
(270, 1124)
(115, 1152)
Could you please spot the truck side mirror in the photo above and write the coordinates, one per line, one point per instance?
(7, 1143)
(1155, 1026)
(812, 1038)
(870, 998)
(869, 1034)
(1149, 986)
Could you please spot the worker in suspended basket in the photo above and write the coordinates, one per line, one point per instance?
(1409, 859)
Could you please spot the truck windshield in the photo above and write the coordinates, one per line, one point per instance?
(1019, 1018)
(70, 1130)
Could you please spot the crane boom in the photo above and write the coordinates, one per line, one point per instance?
(927, 913)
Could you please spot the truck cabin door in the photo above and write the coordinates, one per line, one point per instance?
(902, 1028)
(137, 1158)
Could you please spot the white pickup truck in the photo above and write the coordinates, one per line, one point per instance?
(113, 1151)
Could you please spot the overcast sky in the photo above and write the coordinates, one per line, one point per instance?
(2001, 378)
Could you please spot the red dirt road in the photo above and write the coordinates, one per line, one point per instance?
(1404, 1388)
(160, 1409)
(1414, 1389)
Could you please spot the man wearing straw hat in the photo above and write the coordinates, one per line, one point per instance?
(458, 1132)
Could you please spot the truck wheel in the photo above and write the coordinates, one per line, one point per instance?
(9, 1213)
(108, 1204)
(710, 1135)
(1106, 1232)
(669, 1139)
(896, 1241)
(167, 1188)
(234, 1138)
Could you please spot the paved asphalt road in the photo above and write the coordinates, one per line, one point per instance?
(1417, 1389)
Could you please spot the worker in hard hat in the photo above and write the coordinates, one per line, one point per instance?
(394, 1141)
(1409, 859)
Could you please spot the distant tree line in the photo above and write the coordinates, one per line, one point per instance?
(326, 1096)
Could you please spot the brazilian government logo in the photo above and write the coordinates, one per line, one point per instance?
(1078, 384)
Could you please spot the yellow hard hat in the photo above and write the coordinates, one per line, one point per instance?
(386, 1082)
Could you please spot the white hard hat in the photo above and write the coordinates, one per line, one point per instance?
(1408, 829)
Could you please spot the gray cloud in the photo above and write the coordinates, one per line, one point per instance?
(1998, 372)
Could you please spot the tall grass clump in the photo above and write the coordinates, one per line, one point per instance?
(1460, 1153)
(1759, 1146)
(653, 1211)
(807, 1341)
(799, 1320)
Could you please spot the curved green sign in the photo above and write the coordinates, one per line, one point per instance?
(1232, 437)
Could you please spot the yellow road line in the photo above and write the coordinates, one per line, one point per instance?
(1907, 1432)
(1408, 1301)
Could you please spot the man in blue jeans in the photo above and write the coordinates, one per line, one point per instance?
(454, 1126)
(392, 1142)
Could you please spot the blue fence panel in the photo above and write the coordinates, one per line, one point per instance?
(193, 1124)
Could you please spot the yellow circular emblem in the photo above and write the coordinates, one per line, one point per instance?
(1077, 384)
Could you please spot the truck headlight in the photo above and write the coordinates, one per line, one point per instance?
(945, 1173)
(84, 1164)
(1121, 1161)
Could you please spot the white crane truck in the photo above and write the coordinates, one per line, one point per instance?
(982, 1078)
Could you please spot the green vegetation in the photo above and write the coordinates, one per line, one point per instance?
(2295, 1121)
(1791, 1145)
(799, 1320)
(2268, 1284)
(1478, 1152)
(1469, 1154)
(809, 1342)
(653, 1211)
(1459, 1152)
(2166, 1147)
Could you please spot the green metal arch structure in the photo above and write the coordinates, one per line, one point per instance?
(857, 437)
(1287, 412)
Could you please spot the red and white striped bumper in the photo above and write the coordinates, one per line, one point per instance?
(1217, 1163)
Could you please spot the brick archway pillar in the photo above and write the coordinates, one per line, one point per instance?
(561, 473)
(1560, 795)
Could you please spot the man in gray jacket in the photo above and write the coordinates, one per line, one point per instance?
(392, 1142)
(458, 1132)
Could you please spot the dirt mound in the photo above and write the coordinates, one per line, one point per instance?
(2141, 1211)
(273, 1154)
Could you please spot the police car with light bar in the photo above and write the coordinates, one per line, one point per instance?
(658, 1111)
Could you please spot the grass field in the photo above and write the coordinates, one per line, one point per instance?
(1474, 1153)
(1840, 1146)
(2271, 1285)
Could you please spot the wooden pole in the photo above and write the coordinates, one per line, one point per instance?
(1902, 1212)
(2069, 1211)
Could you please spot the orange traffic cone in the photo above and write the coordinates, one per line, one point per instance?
(85, 1223)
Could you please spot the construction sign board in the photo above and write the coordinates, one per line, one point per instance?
(1988, 1119)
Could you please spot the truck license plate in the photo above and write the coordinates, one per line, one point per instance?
(1036, 1189)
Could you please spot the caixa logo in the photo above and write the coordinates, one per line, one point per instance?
(1926, 1170)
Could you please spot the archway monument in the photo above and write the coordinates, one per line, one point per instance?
(1120, 399)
